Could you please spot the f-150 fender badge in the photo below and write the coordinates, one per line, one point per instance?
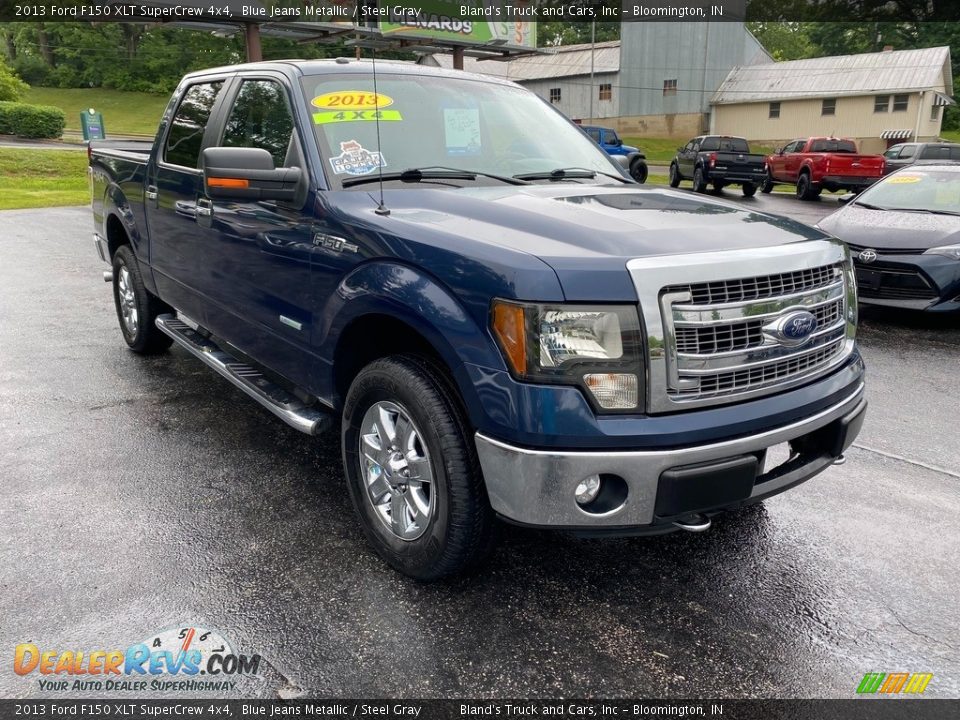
(332, 242)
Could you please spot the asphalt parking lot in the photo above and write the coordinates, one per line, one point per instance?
(139, 494)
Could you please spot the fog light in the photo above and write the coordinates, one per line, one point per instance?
(587, 490)
(613, 391)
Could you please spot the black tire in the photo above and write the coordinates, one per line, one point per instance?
(768, 184)
(718, 187)
(460, 529)
(806, 190)
(144, 338)
(674, 176)
(699, 184)
(638, 170)
(749, 189)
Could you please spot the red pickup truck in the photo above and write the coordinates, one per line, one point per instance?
(820, 163)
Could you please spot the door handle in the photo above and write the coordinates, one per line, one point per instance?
(204, 208)
(151, 192)
(182, 207)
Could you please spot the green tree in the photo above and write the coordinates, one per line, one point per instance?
(11, 87)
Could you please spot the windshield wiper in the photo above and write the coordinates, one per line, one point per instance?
(568, 173)
(868, 206)
(928, 210)
(433, 172)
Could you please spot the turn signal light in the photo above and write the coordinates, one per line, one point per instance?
(228, 182)
(508, 324)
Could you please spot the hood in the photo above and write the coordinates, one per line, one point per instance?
(586, 233)
(629, 148)
(891, 229)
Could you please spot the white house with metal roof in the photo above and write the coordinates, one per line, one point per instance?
(879, 99)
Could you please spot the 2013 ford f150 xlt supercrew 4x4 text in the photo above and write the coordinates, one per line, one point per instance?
(499, 321)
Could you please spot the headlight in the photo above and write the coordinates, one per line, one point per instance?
(950, 251)
(596, 347)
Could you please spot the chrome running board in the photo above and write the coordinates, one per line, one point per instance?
(286, 406)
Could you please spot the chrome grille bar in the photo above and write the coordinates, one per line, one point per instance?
(712, 321)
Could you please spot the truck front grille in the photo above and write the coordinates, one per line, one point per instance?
(720, 337)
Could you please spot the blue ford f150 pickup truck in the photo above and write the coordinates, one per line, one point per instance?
(497, 334)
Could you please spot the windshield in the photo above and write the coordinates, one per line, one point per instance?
(428, 121)
(934, 190)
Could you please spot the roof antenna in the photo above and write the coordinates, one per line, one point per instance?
(381, 209)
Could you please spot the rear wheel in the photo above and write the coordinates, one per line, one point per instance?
(699, 183)
(638, 170)
(674, 175)
(749, 189)
(137, 309)
(412, 469)
(807, 190)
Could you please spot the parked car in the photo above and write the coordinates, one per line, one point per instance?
(818, 163)
(904, 154)
(607, 138)
(904, 236)
(719, 160)
(523, 334)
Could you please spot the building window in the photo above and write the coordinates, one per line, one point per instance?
(774, 110)
(606, 91)
(934, 113)
(669, 87)
(900, 103)
(829, 106)
(881, 103)
(554, 95)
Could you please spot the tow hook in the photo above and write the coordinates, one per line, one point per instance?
(840, 460)
(108, 275)
(693, 523)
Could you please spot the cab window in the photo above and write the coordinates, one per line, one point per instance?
(261, 118)
(189, 123)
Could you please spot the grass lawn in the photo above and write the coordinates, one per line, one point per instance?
(951, 135)
(42, 178)
(123, 112)
(660, 151)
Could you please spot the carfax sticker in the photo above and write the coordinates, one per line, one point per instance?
(352, 100)
(336, 116)
(354, 159)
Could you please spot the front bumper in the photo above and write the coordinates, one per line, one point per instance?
(913, 282)
(536, 487)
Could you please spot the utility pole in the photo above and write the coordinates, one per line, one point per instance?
(593, 41)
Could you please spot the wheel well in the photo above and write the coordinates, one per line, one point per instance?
(371, 337)
(116, 234)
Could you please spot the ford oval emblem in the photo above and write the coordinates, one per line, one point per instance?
(795, 328)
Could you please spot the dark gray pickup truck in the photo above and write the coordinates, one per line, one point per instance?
(719, 160)
(497, 320)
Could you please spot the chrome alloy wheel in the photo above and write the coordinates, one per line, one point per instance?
(128, 302)
(395, 466)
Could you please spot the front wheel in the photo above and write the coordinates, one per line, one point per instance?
(137, 309)
(768, 183)
(638, 171)
(674, 176)
(412, 469)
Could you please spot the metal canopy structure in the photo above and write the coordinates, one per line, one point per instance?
(375, 39)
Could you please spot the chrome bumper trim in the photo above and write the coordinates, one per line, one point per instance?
(536, 487)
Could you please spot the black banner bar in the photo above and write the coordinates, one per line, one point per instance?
(874, 708)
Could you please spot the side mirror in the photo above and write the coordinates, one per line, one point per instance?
(778, 151)
(618, 142)
(247, 174)
(679, 149)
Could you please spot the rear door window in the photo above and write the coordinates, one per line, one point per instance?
(189, 123)
(261, 118)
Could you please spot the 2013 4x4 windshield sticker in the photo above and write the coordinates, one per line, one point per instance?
(336, 116)
(354, 159)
